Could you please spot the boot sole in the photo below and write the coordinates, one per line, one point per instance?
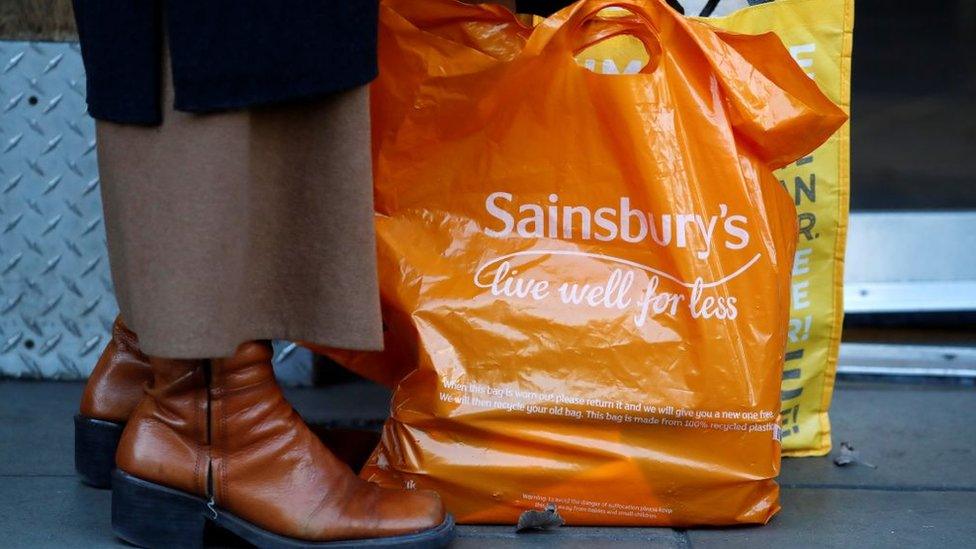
(95, 444)
(151, 515)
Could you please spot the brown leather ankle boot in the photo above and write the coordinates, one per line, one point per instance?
(113, 390)
(217, 441)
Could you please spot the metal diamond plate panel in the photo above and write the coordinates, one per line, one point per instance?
(56, 300)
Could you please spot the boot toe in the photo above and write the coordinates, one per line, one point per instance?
(411, 512)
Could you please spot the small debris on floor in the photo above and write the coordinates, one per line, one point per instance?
(540, 520)
(850, 456)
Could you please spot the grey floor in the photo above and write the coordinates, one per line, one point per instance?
(922, 493)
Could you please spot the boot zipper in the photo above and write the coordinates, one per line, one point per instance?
(211, 502)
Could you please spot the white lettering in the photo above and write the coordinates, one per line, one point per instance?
(500, 214)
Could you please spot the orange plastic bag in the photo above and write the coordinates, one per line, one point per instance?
(585, 278)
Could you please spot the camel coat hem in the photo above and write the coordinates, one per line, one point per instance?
(251, 224)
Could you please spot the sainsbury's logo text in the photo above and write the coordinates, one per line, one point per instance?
(693, 231)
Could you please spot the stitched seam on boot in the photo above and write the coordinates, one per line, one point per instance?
(311, 514)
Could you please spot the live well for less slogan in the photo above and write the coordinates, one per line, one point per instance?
(818, 33)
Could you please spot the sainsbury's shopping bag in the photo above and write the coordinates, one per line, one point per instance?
(585, 278)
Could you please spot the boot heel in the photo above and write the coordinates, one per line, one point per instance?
(150, 515)
(95, 444)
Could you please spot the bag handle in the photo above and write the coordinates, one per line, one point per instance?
(566, 30)
(599, 30)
